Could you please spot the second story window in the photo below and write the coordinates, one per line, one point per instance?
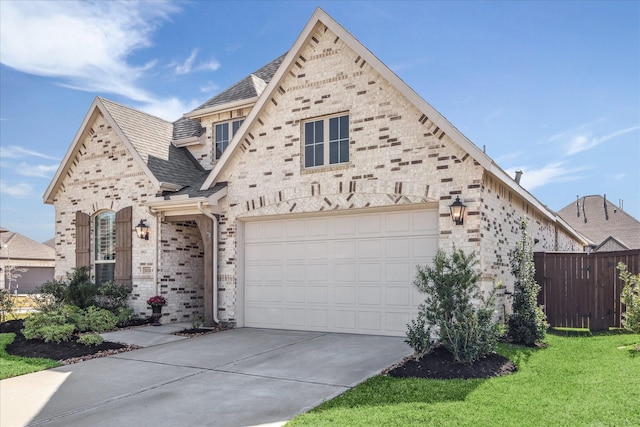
(326, 141)
(223, 133)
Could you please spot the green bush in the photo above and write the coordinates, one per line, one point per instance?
(448, 316)
(50, 296)
(527, 324)
(74, 315)
(99, 319)
(123, 315)
(6, 304)
(48, 327)
(81, 291)
(90, 339)
(630, 297)
(112, 296)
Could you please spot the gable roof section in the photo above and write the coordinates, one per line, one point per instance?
(15, 246)
(146, 137)
(247, 89)
(320, 16)
(599, 219)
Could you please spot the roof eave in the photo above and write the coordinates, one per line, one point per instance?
(222, 108)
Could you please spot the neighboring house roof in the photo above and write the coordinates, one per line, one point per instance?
(51, 242)
(148, 140)
(599, 219)
(16, 246)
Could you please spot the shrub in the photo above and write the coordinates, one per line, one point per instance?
(447, 316)
(123, 315)
(50, 296)
(99, 319)
(112, 296)
(6, 304)
(48, 327)
(74, 315)
(630, 297)
(90, 339)
(81, 291)
(527, 324)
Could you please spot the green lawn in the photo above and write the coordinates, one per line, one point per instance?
(12, 366)
(575, 381)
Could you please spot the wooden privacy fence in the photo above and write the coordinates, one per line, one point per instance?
(582, 290)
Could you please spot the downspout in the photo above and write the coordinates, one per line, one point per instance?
(156, 237)
(214, 260)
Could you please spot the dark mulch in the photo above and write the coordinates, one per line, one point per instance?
(64, 352)
(72, 351)
(439, 364)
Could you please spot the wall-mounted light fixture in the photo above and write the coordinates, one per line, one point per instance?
(142, 230)
(457, 211)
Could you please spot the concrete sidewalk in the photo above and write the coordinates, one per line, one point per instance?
(239, 377)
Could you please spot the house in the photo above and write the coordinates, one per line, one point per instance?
(302, 197)
(608, 226)
(25, 263)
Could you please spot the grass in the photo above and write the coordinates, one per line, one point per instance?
(12, 366)
(575, 381)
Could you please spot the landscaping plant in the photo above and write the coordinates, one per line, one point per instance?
(6, 304)
(630, 297)
(527, 324)
(448, 317)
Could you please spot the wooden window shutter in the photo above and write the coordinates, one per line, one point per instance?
(83, 239)
(122, 274)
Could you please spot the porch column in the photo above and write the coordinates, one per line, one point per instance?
(208, 239)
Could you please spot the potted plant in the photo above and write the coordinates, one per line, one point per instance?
(156, 302)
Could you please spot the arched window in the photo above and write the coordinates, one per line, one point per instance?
(105, 246)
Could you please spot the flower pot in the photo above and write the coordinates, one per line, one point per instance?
(156, 315)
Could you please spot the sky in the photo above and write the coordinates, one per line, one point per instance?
(549, 88)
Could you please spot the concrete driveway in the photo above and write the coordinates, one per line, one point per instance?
(240, 377)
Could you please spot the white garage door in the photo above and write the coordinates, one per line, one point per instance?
(339, 273)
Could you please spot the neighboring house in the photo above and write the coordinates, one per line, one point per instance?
(302, 197)
(607, 225)
(31, 263)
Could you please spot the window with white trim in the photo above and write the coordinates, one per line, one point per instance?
(223, 133)
(326, 141)
(105, 246)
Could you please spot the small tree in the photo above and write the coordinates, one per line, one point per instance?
(630, 297)
(527, 324)
(448, 316)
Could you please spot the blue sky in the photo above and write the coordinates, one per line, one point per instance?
(550, 88)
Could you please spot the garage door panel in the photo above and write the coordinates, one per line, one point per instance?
(343, 273)
(369, 272)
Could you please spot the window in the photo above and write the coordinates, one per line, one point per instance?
(317, 148)
(105, 246)
(222, 135)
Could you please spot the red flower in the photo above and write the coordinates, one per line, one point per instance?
(157, 300)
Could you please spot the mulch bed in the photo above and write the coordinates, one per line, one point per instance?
(439, 364)
(72, 351)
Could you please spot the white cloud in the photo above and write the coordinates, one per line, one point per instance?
(38, 171)
(555, 172)
(169, 109)
(86, 44)
(16, 152)
(584, 141)
(188, 65)
(210, 87)
(21, 189)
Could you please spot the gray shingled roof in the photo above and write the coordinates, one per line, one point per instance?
(186, 128)
(151, 137)
(17, 246)
(193, 190)
(247, 88)
(590, 218)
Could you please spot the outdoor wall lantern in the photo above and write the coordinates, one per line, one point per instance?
(457, 211)
(142, 230)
